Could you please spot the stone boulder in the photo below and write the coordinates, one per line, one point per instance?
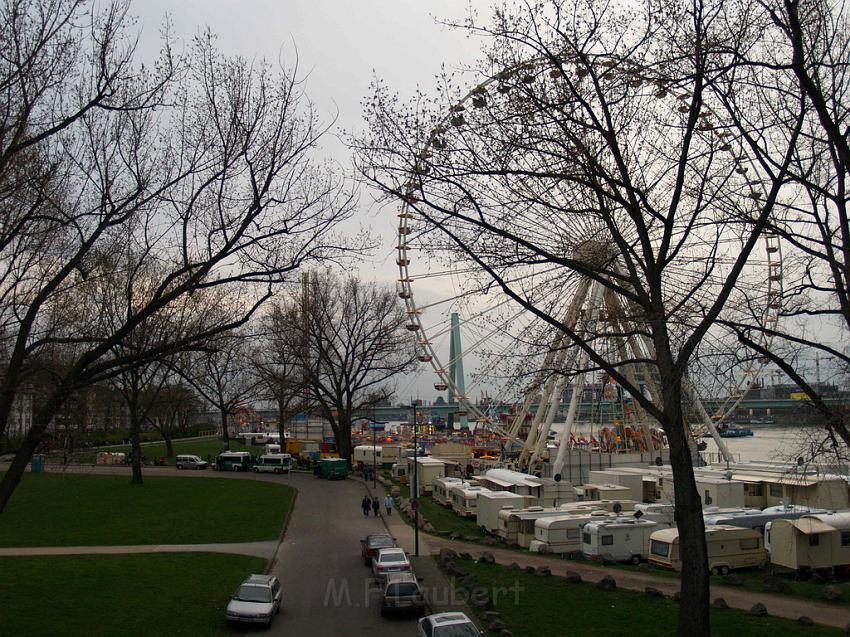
(543, 571)
(447, 555)
(607, 584)
(515, 567)
(496, 626)
(572, 577)
(805, 620)
(489, 541)
(775, 585)
(487, 558)
(720, 603)
(832, 593)
(506, 633)
(649, 591)
(733, 579)
(758, 610)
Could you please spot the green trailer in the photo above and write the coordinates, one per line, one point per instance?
(332, 468)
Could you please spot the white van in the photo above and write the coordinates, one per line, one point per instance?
(190, 462)
(273, 463)
(729, 547)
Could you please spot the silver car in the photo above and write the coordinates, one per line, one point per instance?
(256, 600)
(392, 560)
(447, 625)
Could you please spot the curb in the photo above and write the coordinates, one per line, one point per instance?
(272, 562)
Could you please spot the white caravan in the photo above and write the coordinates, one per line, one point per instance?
(441, 487)
(488, 505)
(465, 500)
(562, 533)
(624, 539)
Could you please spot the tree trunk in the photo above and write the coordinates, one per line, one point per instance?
(29, 444)
(225, 435)
(136, 446)
(169, 445)
(343, 437)
(694, 605)
(281, 418)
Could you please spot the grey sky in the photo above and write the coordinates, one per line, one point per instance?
(342, 45)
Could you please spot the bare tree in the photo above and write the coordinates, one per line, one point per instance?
(594, 153)
(222, 376)
(278, 364)
(352, 343)
(171, 410)
(201, 167)
(801, 58)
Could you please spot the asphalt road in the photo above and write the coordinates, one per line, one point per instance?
(327, 591)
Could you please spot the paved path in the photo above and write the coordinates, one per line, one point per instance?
(265, 550)
(327, 590)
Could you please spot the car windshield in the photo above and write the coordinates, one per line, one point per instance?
(393, 556)
(249, 593)
(402, 590)
(456, 630)
(380, 541)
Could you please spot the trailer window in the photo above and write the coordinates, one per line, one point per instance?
(845, 538)
(659, 548)
(585, 538)
(573, 534)
(776, 490)
(749, 544)
(814, 540)
(607, 540)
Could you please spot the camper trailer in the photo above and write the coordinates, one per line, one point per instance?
(427, 470)
(756, 519)
(562, 533)
(729, 548)
(605, 492)
(489, 504)
(465, 500)
(813, 541)
(545, 491)
(631, 480)
(624, 539)
(440, 488)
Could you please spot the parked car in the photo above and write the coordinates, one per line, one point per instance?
(256, 601)
(388, 561)
(371, 544)
(190, 462)
(273, 463)
(402, 594)
(447, 625)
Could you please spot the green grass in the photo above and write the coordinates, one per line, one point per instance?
(549, 606)
(85, 510)
(203, 448)
(91, 595)
(806, 590)
(444, 519)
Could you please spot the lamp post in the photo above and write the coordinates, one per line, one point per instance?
(374, 457)
(415, 503)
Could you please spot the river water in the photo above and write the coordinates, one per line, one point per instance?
(768, 442)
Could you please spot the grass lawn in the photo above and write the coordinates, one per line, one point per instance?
(445, 519)
(203, 448)
(91, 595)
(549, 606)
(84, 510)
(807, 590)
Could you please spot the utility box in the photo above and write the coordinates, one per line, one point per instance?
(38, 463)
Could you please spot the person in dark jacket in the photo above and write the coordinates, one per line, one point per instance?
(365, 504)
(376, 506)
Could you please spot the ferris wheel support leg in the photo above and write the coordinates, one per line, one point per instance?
(551, 412)
(709, 423)
(578, 390)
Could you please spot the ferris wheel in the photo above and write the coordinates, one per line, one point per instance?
(524, 360)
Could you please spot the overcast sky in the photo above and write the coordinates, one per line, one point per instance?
(342, 45)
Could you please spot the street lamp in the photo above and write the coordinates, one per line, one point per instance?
(415, 502)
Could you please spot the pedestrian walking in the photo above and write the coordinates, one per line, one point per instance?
(388, 503)
(365, 504)
(376, 507)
